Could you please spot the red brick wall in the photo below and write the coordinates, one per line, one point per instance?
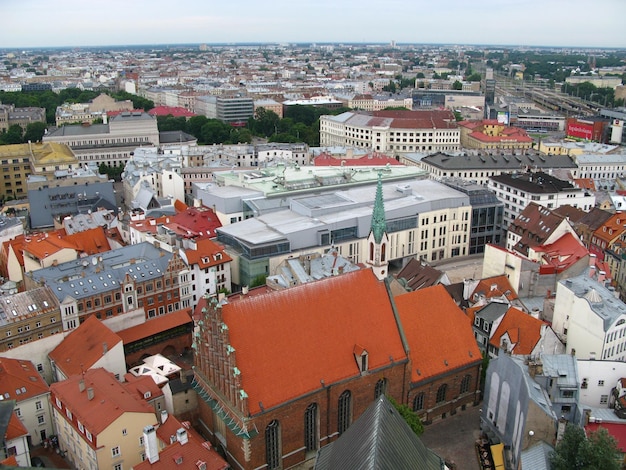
(291, 417)
(454, 401)
(180, 344)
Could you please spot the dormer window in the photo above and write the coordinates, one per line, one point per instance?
(360, 355)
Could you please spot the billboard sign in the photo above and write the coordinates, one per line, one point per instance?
(580, 130)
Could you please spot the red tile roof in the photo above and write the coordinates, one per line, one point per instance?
(439, 336)
(205, 254)
(142, 385)
(19, 380)
(15, 428)
(373, 159)
(306, 334)
(563, 253)
(83, 347)
(90, 241)
(175, 111)
(612, 229)
(189, 454)
(110, 400)
(155, 325)
(524, 331)
(496, 286)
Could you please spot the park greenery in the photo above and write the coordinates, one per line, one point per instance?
(578, 452)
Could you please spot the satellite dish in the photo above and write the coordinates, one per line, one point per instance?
(94, 260)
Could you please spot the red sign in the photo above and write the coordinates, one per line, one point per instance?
(580, 130)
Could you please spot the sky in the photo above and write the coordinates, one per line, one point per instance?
(60, 23)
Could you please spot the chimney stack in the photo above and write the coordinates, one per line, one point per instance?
(181, 436)
(164, 416)
(150, 444)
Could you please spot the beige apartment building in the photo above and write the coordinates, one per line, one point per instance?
(99, 422)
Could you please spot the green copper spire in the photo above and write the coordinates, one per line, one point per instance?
(379, 226)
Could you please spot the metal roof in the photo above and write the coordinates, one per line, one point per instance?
(379, 439)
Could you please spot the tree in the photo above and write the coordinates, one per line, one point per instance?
(34, 131)
(575, 451)
(12, 136)
(457, 85)
(409, 416)
(475, 77)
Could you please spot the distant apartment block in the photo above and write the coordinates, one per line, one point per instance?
(10, 115)
(392, 132)
(235, 110)
(109, 143)
(70, 113)
(491, 134)
(368, 102)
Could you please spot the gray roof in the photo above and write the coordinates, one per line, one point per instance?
(79, 130)
(563, 367)
(474, 161)
(25, 305)
(104, 272)
(601, 300)
(380, 439)
(537, 457)
(492, 311)
(6, 410)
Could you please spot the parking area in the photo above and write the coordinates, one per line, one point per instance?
(454, 438)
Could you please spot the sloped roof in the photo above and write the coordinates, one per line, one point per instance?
(563, 253)
(83, 347)
(524, 331)
(19, 380)
(110, 400)
(496, 286)
(418, 275)
(205, 254)
(379, 440)
(142, 384)
(437, 331)
(535, 224)
(155, 325)
(308, 333)
(15, 428)
(612, 228)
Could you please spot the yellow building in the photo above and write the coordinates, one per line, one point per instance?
(99, 421)
(18, 161)
(491, 134)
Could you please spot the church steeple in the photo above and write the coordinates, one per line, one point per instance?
(378, 241)
(379, 225)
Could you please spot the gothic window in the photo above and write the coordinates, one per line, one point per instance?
(272, 445)
(383, 253)
(465, 384)
(380, 389)
(418, 402)
(371, 252)
(344, 411)
(441, 393)
(310, 428)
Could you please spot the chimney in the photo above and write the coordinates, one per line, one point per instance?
(183, 376)
(592, 271)
(592, 259)
(81, 385)
(181, 436)
(90, 393)
(150, 444)
(601, 277)
(164, 416)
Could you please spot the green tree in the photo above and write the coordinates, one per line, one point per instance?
(457, 85)
(576, 452)
(475, 77)
(409, 416)
(13, 135)
(34, 131)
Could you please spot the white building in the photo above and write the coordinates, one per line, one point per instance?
(591, 320)
(516, 191)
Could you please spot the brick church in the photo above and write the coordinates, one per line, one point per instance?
(281, 374)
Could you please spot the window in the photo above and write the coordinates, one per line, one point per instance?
(115, 451)
(441, 393)
(604, 399)
(418, 402)
(118, 466)
(600, 383)
(465, 384)
(41, 419)
(380, 388)
(272, 445)
(344, 411)
(38, 406)
(310, 428)
(124, 432)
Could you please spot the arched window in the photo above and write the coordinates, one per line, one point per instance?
(465, 384)
(311, 439)
(272, 445)
(344, 411)
(383, 253)
(441, 393)
(418, 402)
(380, 389)
(371, 252)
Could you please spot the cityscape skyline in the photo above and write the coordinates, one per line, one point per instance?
(556, 23)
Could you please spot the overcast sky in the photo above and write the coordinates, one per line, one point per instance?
(585, 23)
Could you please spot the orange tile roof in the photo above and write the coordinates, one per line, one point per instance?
(142, 384)
(439, 336)
(307, 334)
(613, 228)
(110, 401)
(83, 347)
(203, 254)
(43, 245)
(496, 286)
(524, 331)
(90, 241)
(563, 253)
(10, 461)
(194, 451)
(155, 325)
(15, 428)
(17, 375)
